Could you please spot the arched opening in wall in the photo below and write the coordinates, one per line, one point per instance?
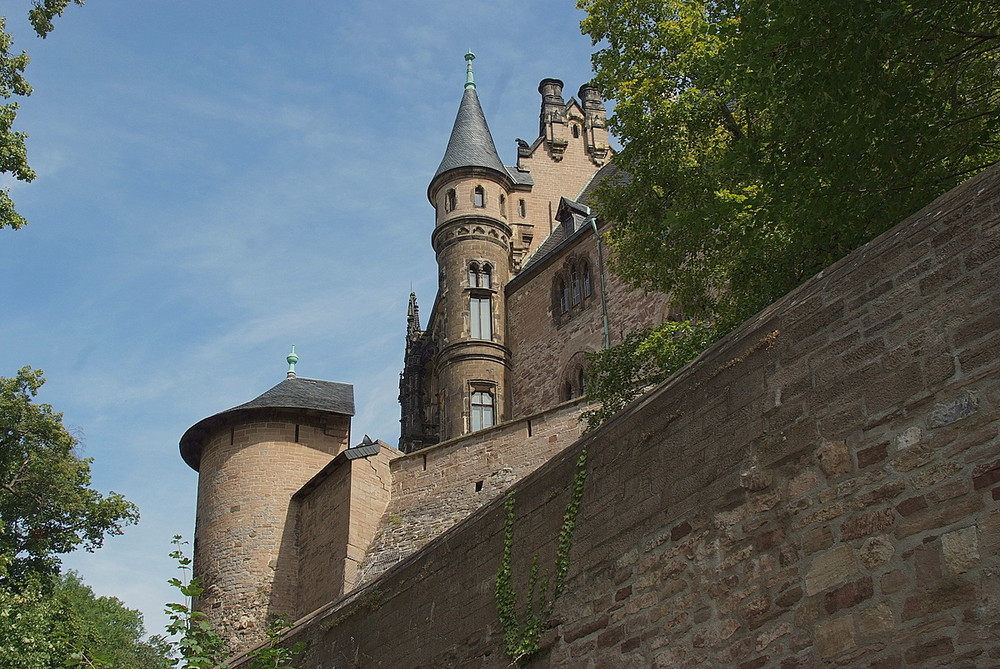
(574, 377)
(479, 197)
(450, 200)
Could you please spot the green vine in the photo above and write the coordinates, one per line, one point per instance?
(521, 638)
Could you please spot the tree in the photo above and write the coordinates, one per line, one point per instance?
(13, 153)
(46, 505)
(68, 626)
(766, 139)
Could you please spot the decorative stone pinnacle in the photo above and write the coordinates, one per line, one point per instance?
(470, 81)
(292, 359)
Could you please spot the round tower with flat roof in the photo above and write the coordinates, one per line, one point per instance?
(250, 460)
(472, 243)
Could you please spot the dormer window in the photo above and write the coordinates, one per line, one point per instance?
(450, 200)
(479, 197)
(576, 131)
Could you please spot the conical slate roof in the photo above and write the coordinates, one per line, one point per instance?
(292, 393)
(471, 144)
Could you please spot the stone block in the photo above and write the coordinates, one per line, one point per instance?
(831, 568)
(835, 636)
(834, 458)
(961, 550)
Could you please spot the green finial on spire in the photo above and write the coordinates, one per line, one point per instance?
(470, 81)
(292, 359)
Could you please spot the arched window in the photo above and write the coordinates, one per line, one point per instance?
(473, 274)
(503, 205)
(479, 197)
(576, 131)
(481, 410)
(522, 208)
(480, 276)
(450, 200)
(563, 294)
(574, 279)
(588, 281)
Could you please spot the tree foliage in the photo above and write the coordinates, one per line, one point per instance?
(66, 625)
(47, 507)
(13, 153)
(768, 138)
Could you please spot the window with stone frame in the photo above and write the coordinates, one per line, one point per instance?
(481, 409)
(450, 200)
(479, 197)
(480, 275)
(481, 317)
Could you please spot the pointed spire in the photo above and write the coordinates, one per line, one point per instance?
(412, 316)
(291, 358)
(471, 144)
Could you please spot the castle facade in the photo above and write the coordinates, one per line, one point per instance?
(291, 517)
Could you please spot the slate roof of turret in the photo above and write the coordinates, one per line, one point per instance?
(471, 144)
(292, 393)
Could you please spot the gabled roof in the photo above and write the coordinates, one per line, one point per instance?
(471, 144)
(294, 393)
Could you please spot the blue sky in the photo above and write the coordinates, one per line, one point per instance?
(221, 180)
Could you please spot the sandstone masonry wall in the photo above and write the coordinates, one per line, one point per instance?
(821, 488)
(337, 514)
(242, 538)
(541, 341)
(439, 486)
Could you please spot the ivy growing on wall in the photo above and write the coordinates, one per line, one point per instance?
(522, 633)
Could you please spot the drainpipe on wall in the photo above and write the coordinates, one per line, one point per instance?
(592, 221)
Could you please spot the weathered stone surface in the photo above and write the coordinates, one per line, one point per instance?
(875, 551)
(835, 636)
(834, 458)
(961, 550)
(832, 568)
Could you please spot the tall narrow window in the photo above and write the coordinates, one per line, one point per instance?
(480, 318)
(522, 208)
(563, 296)
(450, 200)
(473, 275)
(588, 281)
(503, 205)
(574, 277)
(482, 410)
(479, 197)
(576, 131)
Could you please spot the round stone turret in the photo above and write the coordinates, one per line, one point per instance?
(251, 459)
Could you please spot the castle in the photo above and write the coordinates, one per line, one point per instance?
(290, 516)
(821, 487)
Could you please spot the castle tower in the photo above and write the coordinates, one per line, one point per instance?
(472, 243)
(251, 459)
